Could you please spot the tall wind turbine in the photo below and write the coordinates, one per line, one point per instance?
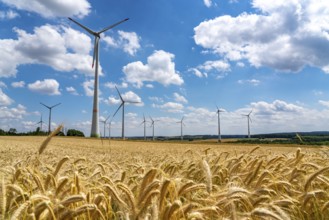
(248, 120)
(105, 124)
(50, 108)
(152, 125)
(219, 134)
(123, 102)
(144, 122)
(97, 35)
(181, 127)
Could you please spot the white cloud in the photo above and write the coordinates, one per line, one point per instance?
(112, 85)
(198, 73)
(324, 103)
(19, 84)
(179, 98)
(207, 3)
(172, 107)
(2, 85)
(88, 87)
(51, 9)
(294, 31)
(72, 90)
(129, 41)
(219, 68)
(132, 97)
(128, 97)
(4, 99)
(46, 87)
(155, 99)
(59, 47)
(159, 68)
(12, 113)
(254, 82)
(10, 14)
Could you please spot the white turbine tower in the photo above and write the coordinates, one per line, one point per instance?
(123, 102)
(105, 124)
(181, 127)
(152, 125)
(144, 122)
(50, 108)
(248, 120)
(97, 35)
(219, 133)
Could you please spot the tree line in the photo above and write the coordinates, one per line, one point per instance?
(39, 132)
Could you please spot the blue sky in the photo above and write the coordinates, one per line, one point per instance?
(178, 58)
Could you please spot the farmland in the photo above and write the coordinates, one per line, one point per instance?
(100, 179)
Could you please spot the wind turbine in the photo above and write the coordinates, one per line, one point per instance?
(105, 123)
(152, 125)
(50, 108)
(97, 35)
(248, 120)
(123, 112)
(41, 123)
(219, 134)
(144, 122)
(181, 127)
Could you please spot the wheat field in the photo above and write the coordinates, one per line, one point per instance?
(81, 178)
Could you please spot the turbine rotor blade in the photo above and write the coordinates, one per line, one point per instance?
(95, 50)
(84, 27)
(45, 105)
(118, 109)
(119, 94)
(55, 105)
(112, 26)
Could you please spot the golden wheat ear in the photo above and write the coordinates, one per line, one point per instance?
(46, 142)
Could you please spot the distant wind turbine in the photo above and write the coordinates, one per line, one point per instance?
(219, 133)
(248, 120)
(105, 124)
(41, 123)
(144, 122)
(123, 102)
(50, 108)
(152, 125)
(181, 127)
(97, 35)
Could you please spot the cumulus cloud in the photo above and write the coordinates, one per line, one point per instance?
(19, 84)
(88, 87)
(10, 14)
(172, 107)
(159, 68)
(129, 41)
(59, 47)
(46, 87)
(179, 98)
(112, 85)
(12, 113)
(207, 3)
(129, 96)
(72, 90)
(286, 35)
(324, 103)
(51, 9)
(4, 99)
(218, 68)
(254, 82)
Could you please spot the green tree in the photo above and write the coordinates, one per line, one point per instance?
(74, 132)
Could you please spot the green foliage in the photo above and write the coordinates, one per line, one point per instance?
(73, 132)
